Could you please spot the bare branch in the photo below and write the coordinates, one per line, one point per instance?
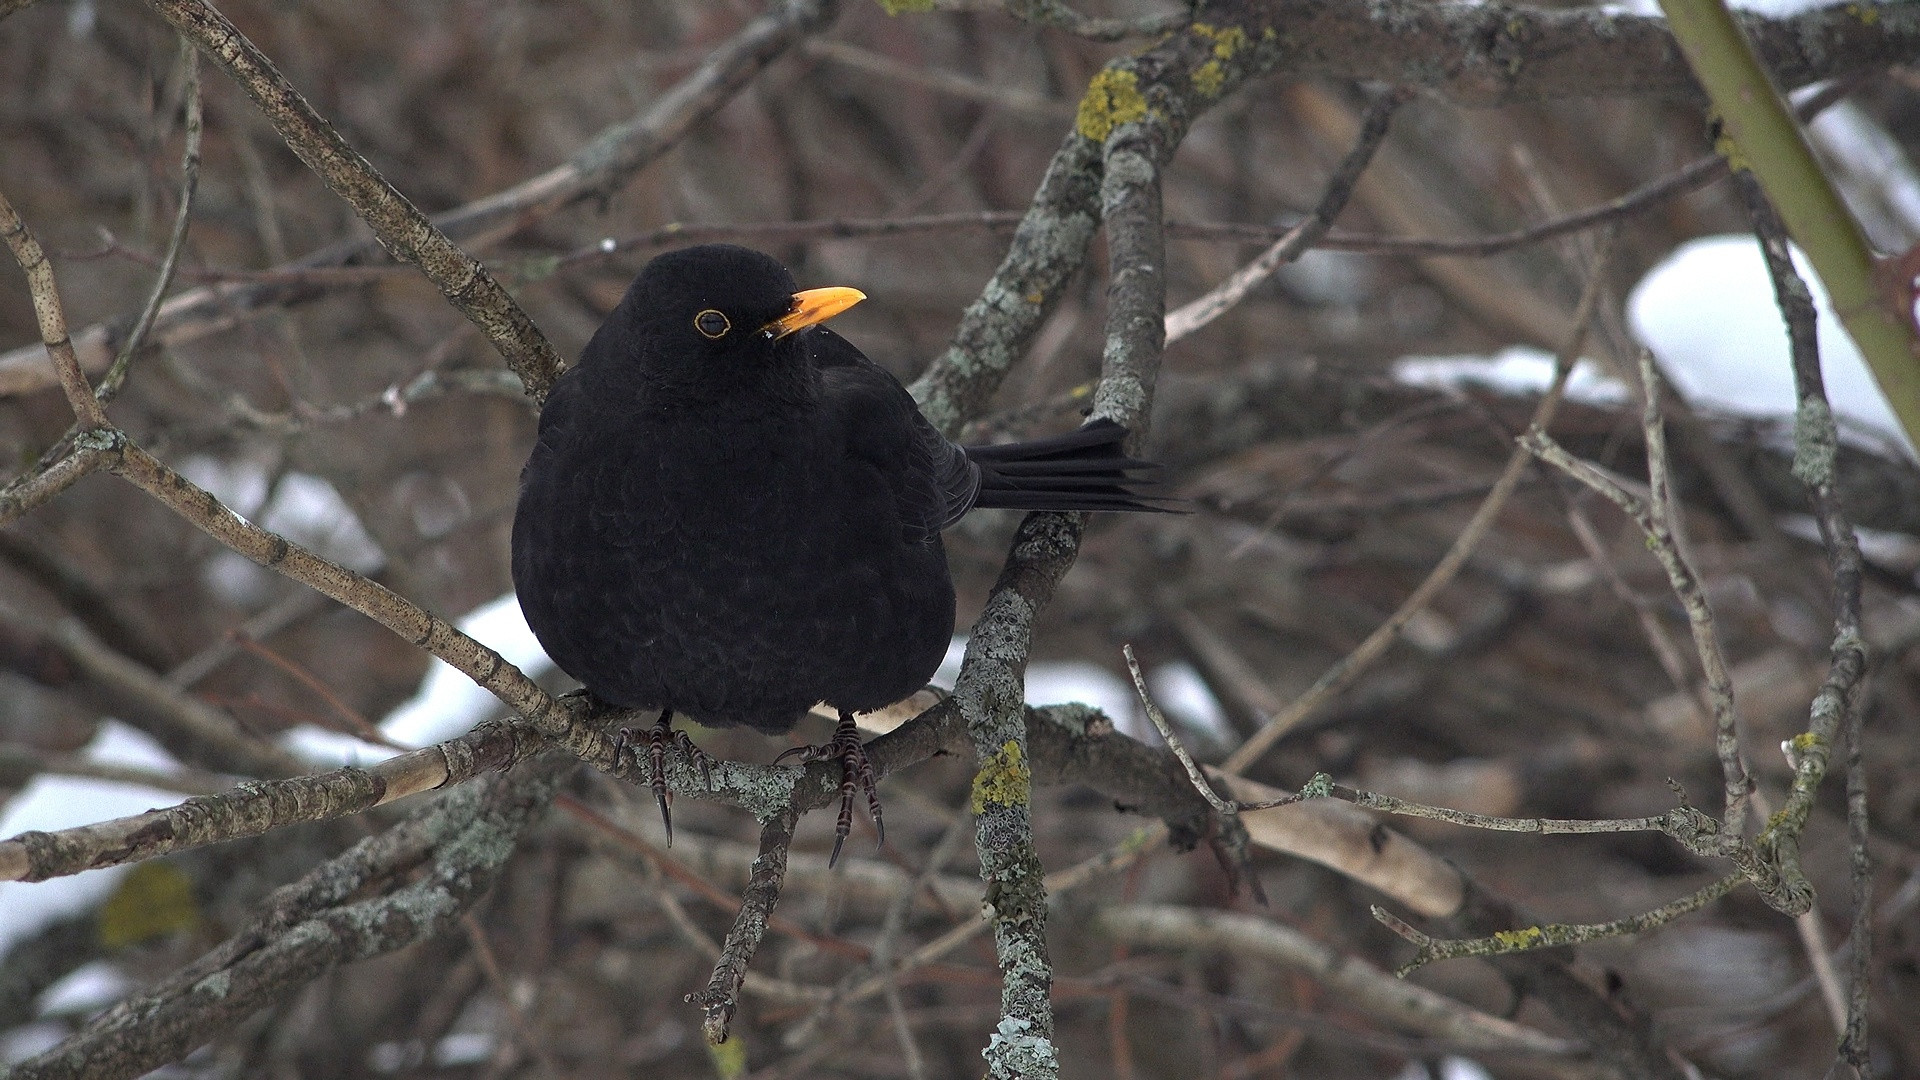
(1160, 724)
(1306, 234)
(48, 311)
(1551, 935)
(260, 807)
(1357, 984)
(315, 925)
(116, 375)
(722, 994)
(401, 228)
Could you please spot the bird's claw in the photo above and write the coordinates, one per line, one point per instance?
(658, 736)
(856, 775)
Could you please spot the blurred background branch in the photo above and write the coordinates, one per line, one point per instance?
(1336, 425)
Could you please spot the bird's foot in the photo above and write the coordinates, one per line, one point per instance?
(658, 736)
(857, 775)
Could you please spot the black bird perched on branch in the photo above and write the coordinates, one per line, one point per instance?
(733, 514)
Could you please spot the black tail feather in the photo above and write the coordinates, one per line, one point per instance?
(1080, 470)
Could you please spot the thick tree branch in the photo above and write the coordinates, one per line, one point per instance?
(315, 925)
(260, 807)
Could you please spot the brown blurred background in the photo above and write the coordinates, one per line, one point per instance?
(1324, 493)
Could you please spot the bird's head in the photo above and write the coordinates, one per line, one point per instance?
(714, 321)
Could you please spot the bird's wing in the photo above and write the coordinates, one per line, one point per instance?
(933, 482)
(556, 419)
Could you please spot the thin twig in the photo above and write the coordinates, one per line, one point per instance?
(1815, 445)
(1678, 821)
(1056, 15)
(36, 487)
(516, 1015)
(1195, 314)
(1348, 668)
(945, 82)
(1656, 516)
(1359, 985)
(180, 720)
(1551, 935)
(51, 316)
(351, 722)
(400, 226)
(1666, 520)
(116, 375)
(1165, 729)
(892, 925)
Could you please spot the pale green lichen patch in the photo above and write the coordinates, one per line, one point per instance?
(215, 986)
(1003, 780)
(1113, 98)
(762, 792)
(1816, 442)
(904, 7)
(1015, 1050)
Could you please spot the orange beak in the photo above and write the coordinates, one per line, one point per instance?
(813, 306)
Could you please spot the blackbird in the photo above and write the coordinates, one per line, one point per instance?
(732, 514)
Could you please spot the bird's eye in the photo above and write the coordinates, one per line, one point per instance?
(711, 324)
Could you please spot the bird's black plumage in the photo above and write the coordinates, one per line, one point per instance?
(731, 513)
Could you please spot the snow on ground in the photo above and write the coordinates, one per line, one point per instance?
(1708, 314)
(448, 703)
(1517, 369)
(301, 507)
(1176, 687)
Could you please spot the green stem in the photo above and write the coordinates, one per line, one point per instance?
(1766, 139)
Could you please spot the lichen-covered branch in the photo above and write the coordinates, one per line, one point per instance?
(1816, 441)
(1550, 935)
(259, 807)
(988, 695)
(1500, 54)
(1133, 115)
(722, 994)
(1358, 985)
(315, 925)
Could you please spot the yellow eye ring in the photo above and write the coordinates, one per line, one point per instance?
(712, 324)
